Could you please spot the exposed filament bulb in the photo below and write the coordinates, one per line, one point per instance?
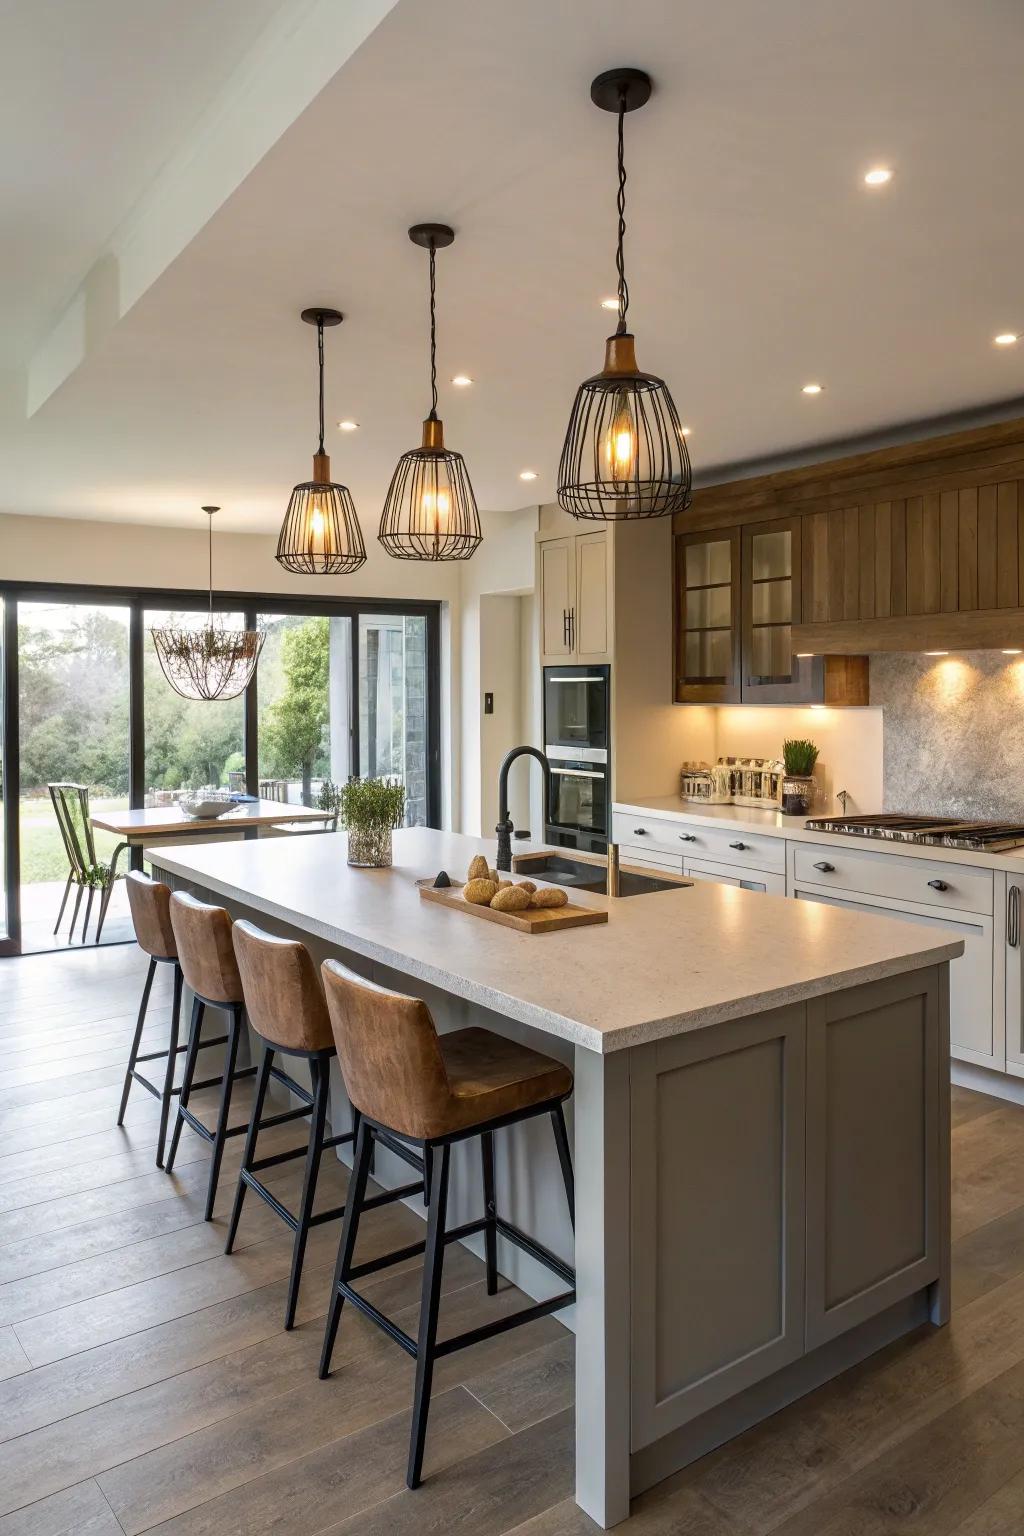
(620, 442)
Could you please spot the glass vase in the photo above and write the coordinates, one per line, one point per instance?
(370, 847)
(797, 794)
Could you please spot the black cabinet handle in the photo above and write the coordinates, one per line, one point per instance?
(938, 885)
(639, 831)
(687, 837)
(737, 845)
(565, 627)
(1013, 916)
(825, 867)
(572, 629)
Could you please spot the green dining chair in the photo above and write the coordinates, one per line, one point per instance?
(87, 873)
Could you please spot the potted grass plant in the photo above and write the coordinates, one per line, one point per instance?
(370, 810)
(798, 760)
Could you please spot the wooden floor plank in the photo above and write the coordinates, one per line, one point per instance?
(78, 1511)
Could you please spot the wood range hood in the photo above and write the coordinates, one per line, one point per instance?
(917, 547)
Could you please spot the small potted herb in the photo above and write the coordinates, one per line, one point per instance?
(798, 760)
(370, 810)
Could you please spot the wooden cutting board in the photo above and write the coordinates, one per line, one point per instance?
(533, 920)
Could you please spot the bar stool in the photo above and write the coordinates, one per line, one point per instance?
(149, 903)
(203, 936)
(432, 1091)
(285, 1006)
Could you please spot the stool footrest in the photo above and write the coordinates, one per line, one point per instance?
(290, 1083)
(384, 1139)
(503, 1324)
(202, 1130)
(158, 1055)
(283, 1118)
(369, 1310)
(374, 1266)
(275, 1160)
(536, 1250)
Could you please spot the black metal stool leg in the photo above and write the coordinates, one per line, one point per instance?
(172, 1057)
(490, 1212)
(430, 1299)
(562, 1143)
(230, 1056)
(133, 1053)
(320, 1085)
(195, 1030)
(250, 1144)
(347, 1246)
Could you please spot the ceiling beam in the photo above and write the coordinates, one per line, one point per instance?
(294, 58)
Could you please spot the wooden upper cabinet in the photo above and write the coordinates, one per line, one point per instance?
(932, 559)
(707, 629)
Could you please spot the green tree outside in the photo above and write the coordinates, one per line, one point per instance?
(296, 725)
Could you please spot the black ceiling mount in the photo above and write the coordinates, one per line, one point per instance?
(621, 88)
(436, 235)
(320, 316)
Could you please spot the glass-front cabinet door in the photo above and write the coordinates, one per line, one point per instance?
(708, 617)
(772, 674)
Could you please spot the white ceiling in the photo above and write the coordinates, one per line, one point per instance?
(757, 260)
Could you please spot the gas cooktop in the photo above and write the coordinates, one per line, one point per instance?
(938, 831)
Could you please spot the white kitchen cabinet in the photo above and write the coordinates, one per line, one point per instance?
(975, 1035)
(1010, 950)
(575, 598)
(735, 874)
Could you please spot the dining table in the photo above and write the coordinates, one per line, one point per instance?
(161, 824)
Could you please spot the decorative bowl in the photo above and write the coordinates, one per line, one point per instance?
(205, 807)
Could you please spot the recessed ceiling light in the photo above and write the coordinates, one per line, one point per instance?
(348, 426)
(803, 655)
(1006, 338)
(878, 176)
(609, 303)
(936, 653)
(1012, 653)
(812, 389)
(462, 381)
(527, 474)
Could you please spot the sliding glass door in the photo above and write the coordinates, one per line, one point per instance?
(73, 755)
(89, 725)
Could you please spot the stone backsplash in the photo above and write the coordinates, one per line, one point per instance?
(953, 733)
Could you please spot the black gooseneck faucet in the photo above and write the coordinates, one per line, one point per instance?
(504, 827)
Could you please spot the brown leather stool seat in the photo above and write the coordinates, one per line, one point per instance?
(203, 935)
(285, 1006)
(149, 902)
(431, 1090)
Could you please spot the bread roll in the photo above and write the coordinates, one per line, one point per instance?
(480, 892)
(478, 868)
(527, 885)
(492, 874)
(511, 898)
(549, 896)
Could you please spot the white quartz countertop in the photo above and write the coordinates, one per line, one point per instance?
(793, 829)
(663, 964)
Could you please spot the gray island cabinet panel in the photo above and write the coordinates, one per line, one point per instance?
(873, 1157)
(718, 1199)
(789, 1185)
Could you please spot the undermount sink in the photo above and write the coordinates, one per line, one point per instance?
(563, 869)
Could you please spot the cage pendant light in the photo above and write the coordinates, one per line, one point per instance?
(212, 662)
(430, 512)
(624, 454)
(320, 535)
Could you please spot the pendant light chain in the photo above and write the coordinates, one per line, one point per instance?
(320, 364)
(209, 550)
(433, 335)
(620, 202)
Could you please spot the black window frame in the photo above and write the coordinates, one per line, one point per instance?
(137, 600)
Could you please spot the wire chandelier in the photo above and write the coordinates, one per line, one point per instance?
(320, 535)
(430, 512)
(624, 454)
(212, 662)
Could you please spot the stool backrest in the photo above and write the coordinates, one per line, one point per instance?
(388, 1051)
(150, 903)
(205, 953)
(283, 999)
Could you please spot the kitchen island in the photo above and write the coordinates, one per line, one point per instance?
(760, 1119)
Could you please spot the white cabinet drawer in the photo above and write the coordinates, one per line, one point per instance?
(735, 874)
(750, 849)
(960, 887)
(651, 858)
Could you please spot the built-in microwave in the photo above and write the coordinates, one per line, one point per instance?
(577, 708)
